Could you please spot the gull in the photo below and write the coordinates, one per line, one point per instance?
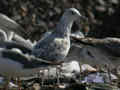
(56, 45)
(12, 32)
(8, 24)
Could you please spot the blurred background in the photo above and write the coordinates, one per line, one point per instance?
(39, 16)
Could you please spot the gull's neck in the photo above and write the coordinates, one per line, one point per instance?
(63, 28)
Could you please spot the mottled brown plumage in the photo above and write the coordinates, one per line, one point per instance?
(55, 46)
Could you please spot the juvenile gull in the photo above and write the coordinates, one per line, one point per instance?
(56, 45)
(8, 24)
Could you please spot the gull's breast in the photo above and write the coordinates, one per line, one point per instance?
(62, 46)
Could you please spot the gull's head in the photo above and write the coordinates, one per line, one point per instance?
(72, 14)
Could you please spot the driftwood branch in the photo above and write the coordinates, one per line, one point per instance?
(95, 41)
(111, 45)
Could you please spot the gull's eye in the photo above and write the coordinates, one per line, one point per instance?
(73, 13)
